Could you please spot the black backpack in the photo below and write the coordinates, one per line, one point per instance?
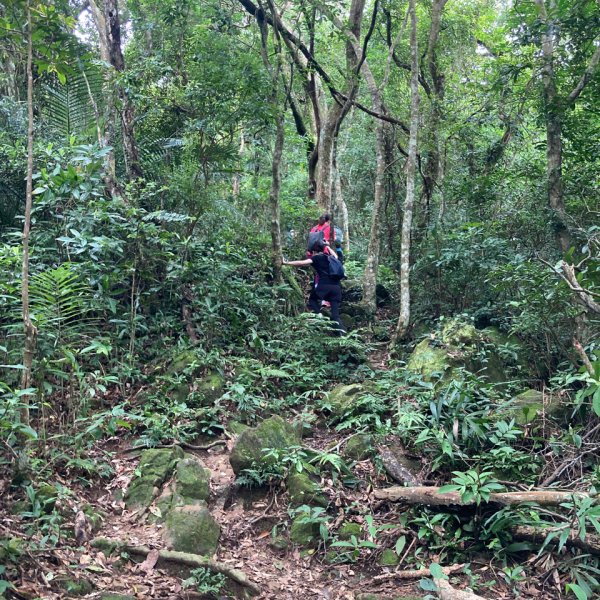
(336, 268)
(313, 238)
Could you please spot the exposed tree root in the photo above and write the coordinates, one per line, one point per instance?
(182, 558)
(431, 496)
(447, 592)
(537, 535)
(417, 573)
(394, 468)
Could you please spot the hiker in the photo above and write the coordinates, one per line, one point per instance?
(326, 288)
(324, 225)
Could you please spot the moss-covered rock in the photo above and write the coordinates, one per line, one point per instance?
(156, 466)
(459, 333)
(388, 558)
(530, 404)
(349, 529)
(303, 490)
(192, 479)
(359, 447)
(279, 543)
(76, 587)
(428, 360)
(236, 427)
(184, 361)
(192, 529)
(304, 534)
(210, 387)
(342, 397)
(110, 596)
(271, 433)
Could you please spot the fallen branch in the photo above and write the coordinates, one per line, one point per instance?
(394, 468)
(430, 496)
(417, 573)
(447, 592)
(537, 535)
(182, 558)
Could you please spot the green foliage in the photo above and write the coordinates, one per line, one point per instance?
(473, 486)
(205, 581)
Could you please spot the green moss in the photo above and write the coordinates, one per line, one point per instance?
(110, 596)
(529, 404)
(192, 529)
(302, 490)
(156, 466)
(304, 534)
(342, 397)
(271, 433)
(458, 333)
(76, 587)
(210, 387)
(349, 529)
(388, 558)
(192, 479)
(428, 360)
(236, 427)
(359, 447)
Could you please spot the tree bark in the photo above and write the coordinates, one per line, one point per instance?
(447, 592)
(30, 330)
(411, 167)
(115, 57)
(590, 544)
(553, 128)
(430, 496)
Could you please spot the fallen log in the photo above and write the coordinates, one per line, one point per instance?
(432, 497)
(447, 592)
(183, 558)
(537, 535)
(394, 468)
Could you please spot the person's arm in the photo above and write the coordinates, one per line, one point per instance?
(297, 263)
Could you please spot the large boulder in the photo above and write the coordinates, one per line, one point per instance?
(272, 433)
(360, 447)
(209, 388)
(192, 529)
(428, 360)
(342, 397)
(192, 479)
(156, 466)
(305, 533)
(525, 407)
(303, 490)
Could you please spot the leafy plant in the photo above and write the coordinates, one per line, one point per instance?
(473, 485)
(205, 581)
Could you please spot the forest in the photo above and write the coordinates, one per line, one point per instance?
(196, 402)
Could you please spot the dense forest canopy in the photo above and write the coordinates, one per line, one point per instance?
(161, 164)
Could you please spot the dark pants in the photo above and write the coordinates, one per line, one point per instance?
(332, 293)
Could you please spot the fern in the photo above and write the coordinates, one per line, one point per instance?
(60, 303)
(68, 108)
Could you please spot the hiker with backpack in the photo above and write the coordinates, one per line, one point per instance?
(326, 288)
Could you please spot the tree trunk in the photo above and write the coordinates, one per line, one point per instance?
(108, 135)
(552, 115)
(411, 167)
(30, 330)
(430, 496)
(277, 251)
(115, 57)
(343, 211)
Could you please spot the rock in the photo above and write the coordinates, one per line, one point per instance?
(359, 447)
(271, 433)
(348, 320)
(236, 427)
(279, 543)
(192, 479)
(388, 558)
(349, 529)
(184, 361)
(76, 587)
(303, 490)
(458, 333)
(304, 534)
(529, 404)
(192, 529)
(342, 397)
(210, 388)
(156, 466)
(110, 596)
(427, 360)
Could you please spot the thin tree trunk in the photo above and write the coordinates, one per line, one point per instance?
(30, 330)
(115, 55)
(343, 211)
(411, 164)
(235, 180)
(108, 135)
(553, 128)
